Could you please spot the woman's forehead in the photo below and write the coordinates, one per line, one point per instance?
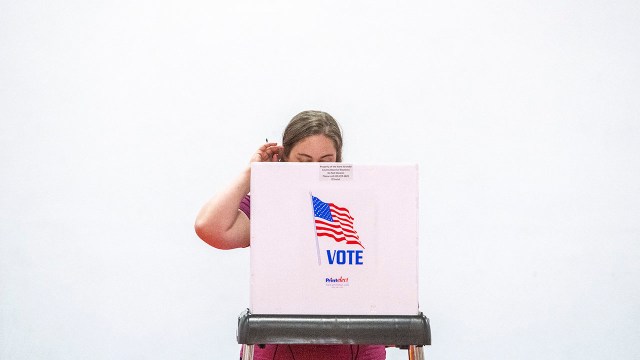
(315, 143)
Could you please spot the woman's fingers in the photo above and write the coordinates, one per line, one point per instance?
(277, 152)
(267, 145)
(268, 152)
(273, 153)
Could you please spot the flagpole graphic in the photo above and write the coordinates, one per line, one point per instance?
(317, 243)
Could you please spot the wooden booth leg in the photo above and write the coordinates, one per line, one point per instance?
(416, 352)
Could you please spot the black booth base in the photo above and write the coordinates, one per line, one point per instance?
(400, 331)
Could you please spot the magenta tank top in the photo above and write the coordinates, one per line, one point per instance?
(318, 352)
(245, 205)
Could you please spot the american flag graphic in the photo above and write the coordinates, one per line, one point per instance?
(334, 222)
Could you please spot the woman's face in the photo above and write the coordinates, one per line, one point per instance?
(314, 148)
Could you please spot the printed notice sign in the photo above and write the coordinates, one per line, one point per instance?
(336, 172)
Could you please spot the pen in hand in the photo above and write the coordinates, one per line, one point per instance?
(275, 156)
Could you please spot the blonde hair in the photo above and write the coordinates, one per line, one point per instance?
(308, 123)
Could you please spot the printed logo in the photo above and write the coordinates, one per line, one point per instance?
(337, 282)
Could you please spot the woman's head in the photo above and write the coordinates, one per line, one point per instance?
(312, 136)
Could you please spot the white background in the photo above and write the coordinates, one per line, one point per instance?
(119, 119)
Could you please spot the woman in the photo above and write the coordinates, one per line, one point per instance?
(223, 222)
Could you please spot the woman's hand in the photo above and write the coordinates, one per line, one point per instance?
(268, 152)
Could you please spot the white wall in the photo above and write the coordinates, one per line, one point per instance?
(118, 119)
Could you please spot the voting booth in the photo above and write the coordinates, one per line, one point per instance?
(334, 256)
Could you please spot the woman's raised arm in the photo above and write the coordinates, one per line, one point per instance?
(220, 223)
